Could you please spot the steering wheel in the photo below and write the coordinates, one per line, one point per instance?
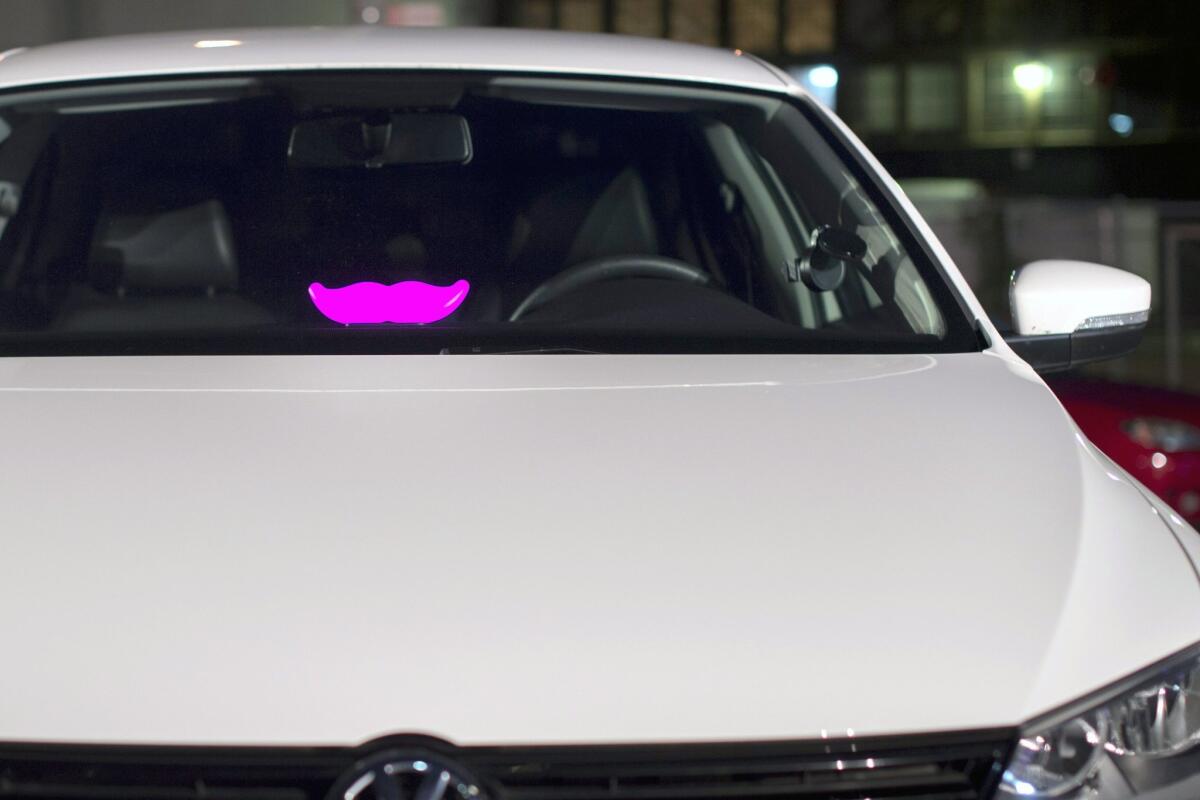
(609, 268)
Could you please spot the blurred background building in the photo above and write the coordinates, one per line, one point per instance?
(1024, 129)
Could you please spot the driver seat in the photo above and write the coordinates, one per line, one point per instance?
(620, 223)
(589, 217)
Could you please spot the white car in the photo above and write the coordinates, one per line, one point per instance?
(490, 414)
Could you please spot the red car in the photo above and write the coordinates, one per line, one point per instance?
(1152, 433)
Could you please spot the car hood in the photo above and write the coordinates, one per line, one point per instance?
(560, 548)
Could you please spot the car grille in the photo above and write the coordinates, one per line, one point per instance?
(937, 767)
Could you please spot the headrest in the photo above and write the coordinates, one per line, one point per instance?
(619, 223)
(177, 250)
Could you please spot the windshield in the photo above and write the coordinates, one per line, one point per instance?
(433, 213)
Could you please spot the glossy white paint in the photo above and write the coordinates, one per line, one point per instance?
(553, 548)
(367, 47)
(561, 549)
(1049, 297)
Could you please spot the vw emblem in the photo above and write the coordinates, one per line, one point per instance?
(398, 775)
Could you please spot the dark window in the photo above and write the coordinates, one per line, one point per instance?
(265, 212)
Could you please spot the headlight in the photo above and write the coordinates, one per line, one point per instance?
(1167, 435)
(1141, 739)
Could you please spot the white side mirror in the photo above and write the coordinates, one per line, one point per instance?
(1071, 312)
(1067, 296)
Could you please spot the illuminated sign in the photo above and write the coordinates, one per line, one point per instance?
(367, 302)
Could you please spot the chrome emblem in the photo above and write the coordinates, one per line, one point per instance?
(398, 775)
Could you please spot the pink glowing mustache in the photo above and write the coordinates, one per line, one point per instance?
(368, 302)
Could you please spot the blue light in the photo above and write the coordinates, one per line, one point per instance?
(1019, 786)
(820, 80)
(823, 76)
(1122, 124)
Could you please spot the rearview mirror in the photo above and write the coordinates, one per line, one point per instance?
(355, 141)
(1067, 313)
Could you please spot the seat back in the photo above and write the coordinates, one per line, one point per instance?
(182, 250)
(171, 270)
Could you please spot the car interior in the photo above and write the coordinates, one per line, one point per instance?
(198, 211)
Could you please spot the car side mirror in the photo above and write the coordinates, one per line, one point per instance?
(1067, 313)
